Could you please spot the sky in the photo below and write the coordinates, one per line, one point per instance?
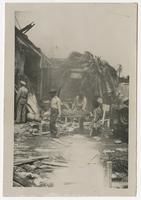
(106, 30)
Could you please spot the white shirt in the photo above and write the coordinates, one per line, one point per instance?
(56, 103)
(80, 103)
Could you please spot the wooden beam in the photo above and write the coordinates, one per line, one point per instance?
(30, 160)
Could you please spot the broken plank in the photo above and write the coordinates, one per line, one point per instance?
(58, 141)
(92, 158)
(30, 160)
(57, 164)
(16, 184)
(21, 181)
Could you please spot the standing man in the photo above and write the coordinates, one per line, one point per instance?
(79, 105)
(97, 117)
(21, 101)
(55, 106)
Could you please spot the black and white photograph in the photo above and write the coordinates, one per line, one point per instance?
(72, 103)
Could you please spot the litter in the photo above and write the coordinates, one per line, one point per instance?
(114, 176)
(122, 149)
(117, 141)
(41, 181)
(90, 162)
(108, 151)
(70, 129)
(97, 138)
(29, 168)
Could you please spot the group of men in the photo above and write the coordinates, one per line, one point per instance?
(21, 107)
(80, 104)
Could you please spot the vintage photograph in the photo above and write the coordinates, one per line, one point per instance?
(72, 72)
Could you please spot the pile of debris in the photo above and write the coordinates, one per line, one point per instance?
(74, 113)
(67, 128)
(29, 128)
(93, 75)
(118, 155)
(35, 171)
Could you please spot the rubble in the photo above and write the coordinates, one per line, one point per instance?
(28, 170)
(23, 179)
(108, 151)
(118, 154)
(41, 182)
(30, 160)
(97, 138)
(117, 141)
(122, 149)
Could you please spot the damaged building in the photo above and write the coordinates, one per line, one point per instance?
(88, 73)
(32, 66)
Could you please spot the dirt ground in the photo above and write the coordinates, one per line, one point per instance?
(74, 163)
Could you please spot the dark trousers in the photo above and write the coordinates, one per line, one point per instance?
(53, 118)
(81, 122)
(21, 112)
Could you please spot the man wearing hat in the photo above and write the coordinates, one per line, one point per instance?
(55, 106)
(21, 101)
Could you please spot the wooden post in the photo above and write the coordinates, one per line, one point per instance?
(66, 120)
(41, 77)
(109, 173)
(41, 83)
(108, 123)
(103, 118)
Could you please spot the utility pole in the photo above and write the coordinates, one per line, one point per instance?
(119, 70)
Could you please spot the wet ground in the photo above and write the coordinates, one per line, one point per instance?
(72, 164)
